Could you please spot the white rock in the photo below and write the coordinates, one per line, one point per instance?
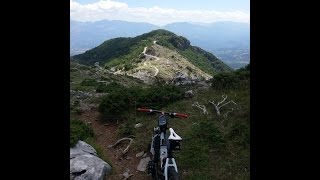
(143, 164)
(140, 154)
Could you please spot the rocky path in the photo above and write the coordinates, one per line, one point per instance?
(107, 135)
(151, 56)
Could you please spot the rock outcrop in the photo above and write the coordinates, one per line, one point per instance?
(85, 164)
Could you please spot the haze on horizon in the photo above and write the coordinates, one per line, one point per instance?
(161, 12)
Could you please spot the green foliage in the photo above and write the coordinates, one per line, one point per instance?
(123, 53)
(126, 62)
(75, 108)
(208, 131)
(114, 86)
(198, 60)
(114, 105)
(122, 99)
(120, 48)
(106, 51)
(231, 80)
(221, 144)
(126, 129)
(89, 82)
(79, 131)
(197, 56)
(159, 96)
(179, 42)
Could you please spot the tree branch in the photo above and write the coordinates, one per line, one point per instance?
(220, 104)
(224, 98)
(228, 103)
(123, 139)
(201, 107)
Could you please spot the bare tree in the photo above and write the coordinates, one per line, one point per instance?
(201, 107)
(222, 103)
(226, 114)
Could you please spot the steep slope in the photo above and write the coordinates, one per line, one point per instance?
(229, 41)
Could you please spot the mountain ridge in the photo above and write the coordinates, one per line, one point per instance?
(230, 41)
(159, 55)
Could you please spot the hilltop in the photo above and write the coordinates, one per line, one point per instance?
(229, 41)
(159, 55)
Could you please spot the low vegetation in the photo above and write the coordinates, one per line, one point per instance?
(213, 147)
(121, 100)
(123, 53)
(79, 131)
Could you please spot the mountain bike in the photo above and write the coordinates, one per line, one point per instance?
(163, 165)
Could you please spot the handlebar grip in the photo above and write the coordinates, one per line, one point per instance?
(144, 110)
(181, 115)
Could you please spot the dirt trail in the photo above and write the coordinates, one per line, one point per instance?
(151, 56)
(107, 135)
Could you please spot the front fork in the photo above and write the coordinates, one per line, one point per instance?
(158, 149)
(169, 162)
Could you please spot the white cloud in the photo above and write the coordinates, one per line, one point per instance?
(113, 10)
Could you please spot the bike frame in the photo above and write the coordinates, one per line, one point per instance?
(160, 144)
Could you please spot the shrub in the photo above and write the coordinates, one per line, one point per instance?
(121, 100)
(113, 105)
(89, 82)
(79, 131)
(160, 96)
(102, 88)
(126, 129)
(208, 131)
(231, 80)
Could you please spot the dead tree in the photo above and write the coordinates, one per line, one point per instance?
(220, 104)
(123, 139)
(226, 114)
(201, 107)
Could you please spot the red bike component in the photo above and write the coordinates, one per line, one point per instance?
(170, 114)
(181, 115)
(144, 110)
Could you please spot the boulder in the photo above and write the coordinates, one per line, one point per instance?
(143, 164)
(82, 148)
(140, 154)
(85, 165)
(182, 79)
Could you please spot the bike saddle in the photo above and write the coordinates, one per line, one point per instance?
(174, 136)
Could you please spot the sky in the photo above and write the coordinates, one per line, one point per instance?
(161, 12)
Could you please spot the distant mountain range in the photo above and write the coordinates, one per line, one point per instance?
(229, 41)
(87, 35)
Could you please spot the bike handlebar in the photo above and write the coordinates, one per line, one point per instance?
(168, 113)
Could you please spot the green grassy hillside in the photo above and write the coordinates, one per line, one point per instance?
(126, 51)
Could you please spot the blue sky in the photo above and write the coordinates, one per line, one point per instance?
(161, 12)
(220, 5)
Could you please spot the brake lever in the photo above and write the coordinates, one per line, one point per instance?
(171, 115)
